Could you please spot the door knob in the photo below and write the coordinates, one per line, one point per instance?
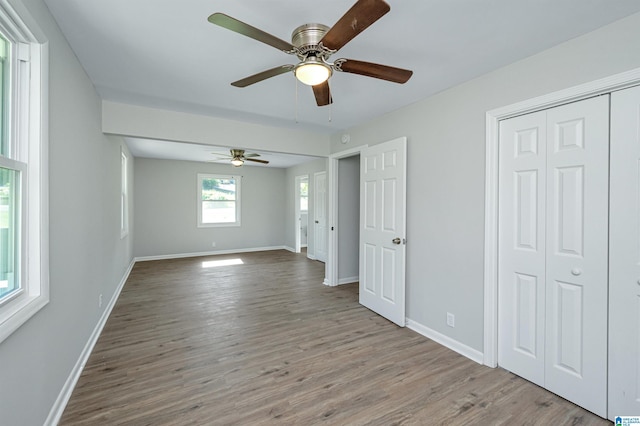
(317, 221)
(396, 241)
(576, 271)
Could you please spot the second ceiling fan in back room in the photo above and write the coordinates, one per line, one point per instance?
(237, 157)
(313, 44)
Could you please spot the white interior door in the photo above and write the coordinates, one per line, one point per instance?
(553, 277)
(320, 215)
(383, 229)
(624, 240)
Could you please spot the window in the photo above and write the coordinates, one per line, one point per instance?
(9, 233)
(218, 200)
(304, 195)
(24, 286)
(124, 202)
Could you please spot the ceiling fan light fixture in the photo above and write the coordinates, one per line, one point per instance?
(237, 162)
(312, 71)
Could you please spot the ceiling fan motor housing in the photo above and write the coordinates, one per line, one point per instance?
(237, 153)
(306, 39)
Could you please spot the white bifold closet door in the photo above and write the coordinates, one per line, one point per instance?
(553, 248)
(624, 274)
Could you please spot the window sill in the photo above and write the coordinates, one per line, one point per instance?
(18, 311)
(219, 225)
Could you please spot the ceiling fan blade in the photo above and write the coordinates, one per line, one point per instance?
(262, 76)
(384, 72)
(240, 27)
(252, 154)
(323, 94)
(256, 160)
(220, 154)
(357, 19)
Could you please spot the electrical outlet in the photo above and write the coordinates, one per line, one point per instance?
(213, 244)
(451, 319)
(100, 301)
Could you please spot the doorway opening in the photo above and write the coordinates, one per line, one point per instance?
(348, 220)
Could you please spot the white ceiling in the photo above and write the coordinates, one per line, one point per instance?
(165, 54)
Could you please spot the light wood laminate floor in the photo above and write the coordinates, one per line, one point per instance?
(194, 342)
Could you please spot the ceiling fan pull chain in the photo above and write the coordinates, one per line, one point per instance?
(330, 108)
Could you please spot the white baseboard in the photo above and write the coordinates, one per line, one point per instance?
(348, 280)
(291, 249)
(311, 256)
(454, 345)
(209, 253)
(65, 393)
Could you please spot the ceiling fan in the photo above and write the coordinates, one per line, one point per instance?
(313, 44)
(238, 157)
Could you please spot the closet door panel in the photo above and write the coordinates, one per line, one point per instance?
(577, 252)
(624, 240)
(521, 270)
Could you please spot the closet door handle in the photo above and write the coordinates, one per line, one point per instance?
(576, 271)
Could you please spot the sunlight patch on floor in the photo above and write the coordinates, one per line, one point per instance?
(225, 262)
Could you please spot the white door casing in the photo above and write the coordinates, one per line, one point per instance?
(320, 215)
(624, 248)
(383, 229)
(552, 268)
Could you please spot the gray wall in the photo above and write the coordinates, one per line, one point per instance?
(446, 169)
(310, 168)
(348, 218)
(87, 256)
(165, 204)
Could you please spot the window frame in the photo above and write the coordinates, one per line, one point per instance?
(28, 142)
(203, 176)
